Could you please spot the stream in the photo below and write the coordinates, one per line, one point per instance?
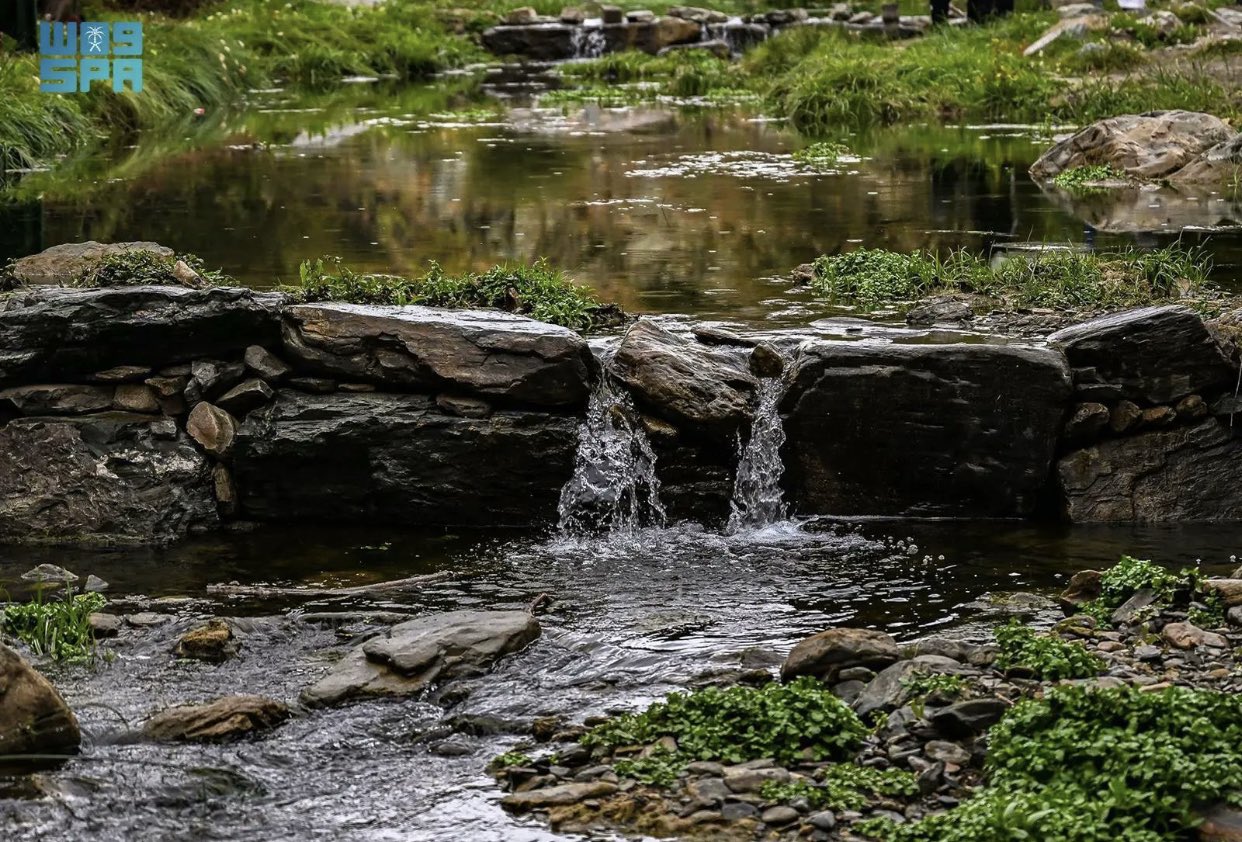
(699, 213)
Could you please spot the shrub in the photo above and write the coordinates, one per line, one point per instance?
(58, 628)
(136, 268)
(733, 725)
(1046, 656)
(1092, 765)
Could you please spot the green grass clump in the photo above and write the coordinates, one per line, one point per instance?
(786, 722)
(1059, 279)
(534, 290)
(1079, 179)
(1092, 765)
(58, 627)
(1106, 57)
(138, 268)
(1046, 656)
(842, 786)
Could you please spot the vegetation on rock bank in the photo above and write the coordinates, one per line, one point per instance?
(56, 626)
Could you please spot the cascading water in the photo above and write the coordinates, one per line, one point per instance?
(614, 486)
(757, 497)
(587, 40)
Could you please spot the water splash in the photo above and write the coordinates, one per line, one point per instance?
(588, 40)
(614, 487)
(758, 501)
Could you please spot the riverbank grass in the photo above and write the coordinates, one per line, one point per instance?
(56, 626)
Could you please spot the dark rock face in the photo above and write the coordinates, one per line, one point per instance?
(101, 478)
(539, 42)
(496, 355)
(376, 457)
(56, 335)
(434, 648)
(34, 719)
(557, 40)
(684, 382)
(1182, 474)
(944, 430)
(1153, 355)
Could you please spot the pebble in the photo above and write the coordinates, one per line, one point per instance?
(779, 815)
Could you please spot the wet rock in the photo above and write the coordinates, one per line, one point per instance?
(148, 619)
(437, 647)
(367, 458)
(1086, 422)
(1191, 473)
(828, 652)
(1133, 608)
(980, 422)
(209, 379)
(57, 399)
(49, 573)
(1229, 590)
(965, 719)
(1152, 354)
(888, 689)
(1126, 416)
(105, 625)
(962, 651)
(51, 334)
(1083, 587)
(95, 585)
(34, 719)
(135, 397)
(946, 752)
(213, 643)
(101, 478)
(1191, 406)
(538, 42)
(464, 407)
(766, 361)
(263, 363)
(213, 428)
(314, 385)
(244, 397)
(1152, 145)
(557, 796)
(495, 355)
(120, 374)
(779, 815)
(682, 381)
(227, 718)
(63, 264)
(1189, 636)
(1158, 416)
(941, 309)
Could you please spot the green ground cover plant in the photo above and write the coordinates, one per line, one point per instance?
(136, 268)
(55, 626)
(1130, 575)
(1080, 179)
(1090, 765)
(733, 725)
(536, 290)
(842, 786)
(1060, 279)
(1045, 656)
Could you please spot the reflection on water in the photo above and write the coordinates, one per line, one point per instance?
(629, 620)
(702, 213)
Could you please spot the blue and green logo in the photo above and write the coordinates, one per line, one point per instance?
(73, 56)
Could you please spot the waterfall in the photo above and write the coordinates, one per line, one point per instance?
(614, 486)
(588, 40)
(757, 497)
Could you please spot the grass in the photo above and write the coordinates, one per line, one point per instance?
(1091, 765)
(1062, 280)
(57, 627)
(534, 290)
(631, 77)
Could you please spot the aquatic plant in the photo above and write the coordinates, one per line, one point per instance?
(823, 154)
(57, 627)
(1061, 279)
(782, 721)
(534, 290)
(1079, 179)
(1090, 765)
(1046, 656)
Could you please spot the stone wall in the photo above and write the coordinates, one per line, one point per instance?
(142, 414)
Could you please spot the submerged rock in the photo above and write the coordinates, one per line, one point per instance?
(100, 478)
(436, 648)
(480, 352)
(34, 719)
(947, 430)
(1150, 146)
(227, 718)
(212, 642)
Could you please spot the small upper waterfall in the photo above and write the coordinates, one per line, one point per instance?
(588, 40)
(614, 485)
(757, 497)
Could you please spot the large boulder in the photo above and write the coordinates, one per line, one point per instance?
(1150, 146)
(539, 42)
(1214, 167)
(827, 653)
(943, 430)
(384, 458)
(503, 357)
(34, 719)
(65, 263)
(1152, 354)
(227, 718)
(683, 381)
(411, 656)
(1183, 474)
(54, 335)
(107, 478)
